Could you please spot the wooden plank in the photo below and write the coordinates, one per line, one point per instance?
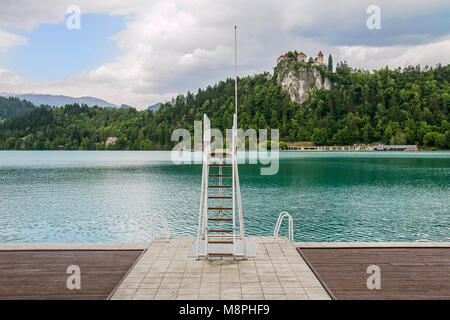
(220, 197)
(220, 176)
(220, 219)
(41, 274)
(406, 273)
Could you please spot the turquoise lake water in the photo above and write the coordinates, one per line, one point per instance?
(333, 196)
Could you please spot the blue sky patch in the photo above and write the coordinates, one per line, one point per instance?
(55, 52)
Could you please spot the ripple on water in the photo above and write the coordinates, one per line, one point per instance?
(111, 196)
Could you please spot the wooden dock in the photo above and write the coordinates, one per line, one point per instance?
(41, 274)
(162, 270)
(406, 273)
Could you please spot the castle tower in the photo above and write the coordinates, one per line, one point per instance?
(319, 58)
(280, 58)
(301, 57)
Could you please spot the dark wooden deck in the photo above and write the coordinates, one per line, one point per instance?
(42, 274)
(406, 273)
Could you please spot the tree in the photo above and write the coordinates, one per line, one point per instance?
(398, 138)
(320, 136)
(430, 138)
(330, 63)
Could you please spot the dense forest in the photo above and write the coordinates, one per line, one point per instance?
(11, 107)
(402, 106)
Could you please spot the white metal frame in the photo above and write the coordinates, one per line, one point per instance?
(203, 212)
(236, 196)
(278, 225)
(238, 190)
(164, 222)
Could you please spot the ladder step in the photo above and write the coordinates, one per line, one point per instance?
(220, 165)
(219, 187)
(220, 219)
(220, 175)
(220, 254)
(221, 154)
(220, 241)
(220, 230)
(220, 197)
(219, 208)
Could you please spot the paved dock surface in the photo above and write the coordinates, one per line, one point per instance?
(405, 272)
(277, 273)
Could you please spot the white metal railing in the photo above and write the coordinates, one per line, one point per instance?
(203, 219)
(237, 216)
(278, 225)
(233, 183)
(237, 186)
(164, 222)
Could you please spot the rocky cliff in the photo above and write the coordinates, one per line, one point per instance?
(299, 79)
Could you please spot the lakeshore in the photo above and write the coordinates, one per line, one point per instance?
(352, 148)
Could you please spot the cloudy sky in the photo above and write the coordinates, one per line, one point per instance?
(140, 52)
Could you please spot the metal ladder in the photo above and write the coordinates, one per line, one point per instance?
(219, 230)
(165, 225)
(283, 215)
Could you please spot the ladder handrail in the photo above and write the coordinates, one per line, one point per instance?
(238, 188)
(237, 217)
(233, 161)
(278, 225)
(164, 221)
(200, 220)
(206, 152)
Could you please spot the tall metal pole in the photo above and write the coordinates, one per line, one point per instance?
(235, 71)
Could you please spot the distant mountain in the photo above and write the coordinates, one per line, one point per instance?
(58, 101)
(154, 107)
(11, 107)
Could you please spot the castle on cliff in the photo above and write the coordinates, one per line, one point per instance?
(301, 57)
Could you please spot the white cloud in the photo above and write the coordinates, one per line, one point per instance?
(9, 40)
(394, 56)
(172, 46)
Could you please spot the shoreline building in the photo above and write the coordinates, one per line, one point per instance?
(110, 141)
(395, 148)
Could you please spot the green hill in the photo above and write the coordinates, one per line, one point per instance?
(11, 107)
(399, 106)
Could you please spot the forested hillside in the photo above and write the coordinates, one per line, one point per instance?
(394, 107)
(11, 107)
(390, 106)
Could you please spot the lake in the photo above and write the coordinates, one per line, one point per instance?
(83, 196)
